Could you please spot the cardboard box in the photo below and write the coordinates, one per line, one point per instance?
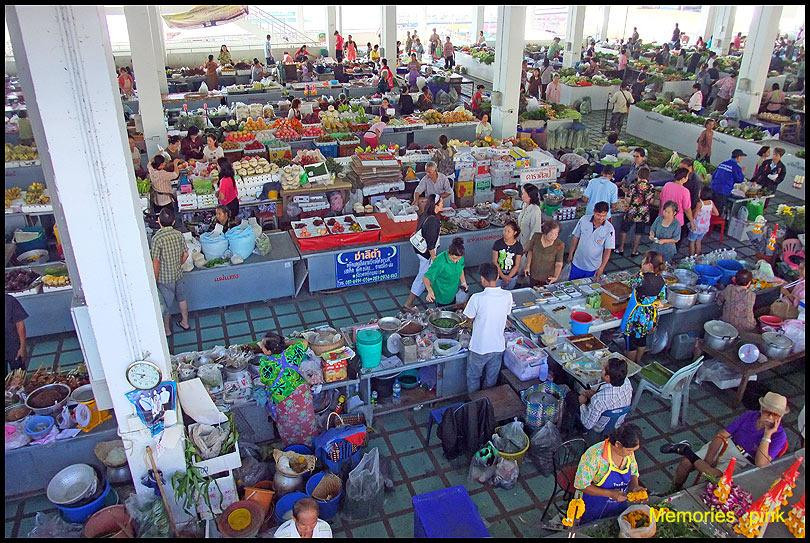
(483, 183)
(463, 188)
(221, 464)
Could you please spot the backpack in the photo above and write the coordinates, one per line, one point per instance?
(466, 428)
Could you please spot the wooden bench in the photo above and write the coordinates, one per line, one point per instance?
(505, 401)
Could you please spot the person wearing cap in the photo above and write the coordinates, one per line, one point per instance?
(755, 438)
(727, 174)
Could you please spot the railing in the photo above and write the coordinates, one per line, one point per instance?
(277, 28)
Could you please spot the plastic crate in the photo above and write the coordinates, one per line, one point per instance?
(448, 512)
(327, 149)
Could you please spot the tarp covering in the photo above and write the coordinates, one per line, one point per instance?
(204, 16)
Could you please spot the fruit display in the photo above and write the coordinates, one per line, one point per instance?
(331, 121)
(432, 116)
(254, 146)
(305, 157)
(773, 117)
(248, 166)
(312, 118)
(20, 152)
(288, 129)
(35, 194)
(254, 125)
(56, 281)
(458, 115)
(312, 131)
(239, 136)
(18, 280)
(291, 176)
(229, 145)
(484, 57)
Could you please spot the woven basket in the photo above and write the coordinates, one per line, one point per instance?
(328, 488)
(320, 349)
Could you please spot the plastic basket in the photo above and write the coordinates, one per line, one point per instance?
(537, 414)
(518, 456)
(346, 148)
(449, 512)
(328, 149)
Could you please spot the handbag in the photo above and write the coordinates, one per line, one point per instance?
(418, 240)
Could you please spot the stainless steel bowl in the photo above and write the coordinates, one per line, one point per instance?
(55, 408)
(686, 277)
(777, 345)
(706, 295)
(72, 484)
(445, 315)
(17, 412)
(389, 324)
(679, 300)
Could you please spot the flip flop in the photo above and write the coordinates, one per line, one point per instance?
(186, 328)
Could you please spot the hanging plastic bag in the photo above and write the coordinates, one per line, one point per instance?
(208, 439)
(673, 162)
(52, 526)
(263, 246)
(543, 444)
(506, 473)
(794, 331)
(204, 88)
(510, 438)
(149, 515)
(364, 488)
(310, 369)
(252, 469)
(483, 465)
(213, 245)
(627, 530)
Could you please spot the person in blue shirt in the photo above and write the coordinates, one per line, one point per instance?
(610, 147)
(727, 174)
(601, 189)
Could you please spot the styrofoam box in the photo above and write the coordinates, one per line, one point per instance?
(484, 196)
(403, 218)
(226, 462)
(222, 494)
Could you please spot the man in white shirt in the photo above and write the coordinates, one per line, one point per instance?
(615, 393)
(489, 310)
(434, 182)
(621, 105)
(696, 100)
(268, 52)
(305, 522)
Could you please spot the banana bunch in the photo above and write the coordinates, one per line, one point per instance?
(20, 152)
(12, 194)
(36, 194)
(55, 280)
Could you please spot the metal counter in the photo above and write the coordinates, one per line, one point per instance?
(48, 312)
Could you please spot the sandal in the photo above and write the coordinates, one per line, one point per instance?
(184, 328)
(634, 255)
(620, 253)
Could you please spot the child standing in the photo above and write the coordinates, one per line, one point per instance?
(704, 210)
(704, 141)
(506, 255)
(666, 231)
(641, 316)
(637, 217)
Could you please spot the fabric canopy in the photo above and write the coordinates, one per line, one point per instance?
(204, 16)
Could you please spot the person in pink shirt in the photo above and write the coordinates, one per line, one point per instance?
(623, 59)
(674, 191)
(725, 90)
(449, 54)
(338, 46)
(227, 195)
(553, 90)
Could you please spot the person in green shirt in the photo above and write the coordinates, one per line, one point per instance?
(445, 274)
(554, 49)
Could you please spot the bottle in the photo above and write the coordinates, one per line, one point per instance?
(374, 397)
(340, 404)
(397, 392)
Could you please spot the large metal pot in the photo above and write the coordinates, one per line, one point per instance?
(777, 345)
(63, 389)
(719, 334)
(285, 482)
(686, 277)
(388, 326)
(706, 295)
(682, 296)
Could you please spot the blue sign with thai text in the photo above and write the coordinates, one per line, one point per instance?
(365, 266)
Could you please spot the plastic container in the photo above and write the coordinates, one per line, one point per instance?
(518, 456)
(369, 347)
(261, 493)
(396, 391)
(35, 239)
(328, 149)
(708, 275)
(78, 515)
(285, 504)
(729, 268)
(327, 508)
(580, 322)
(300, 449)
(33, 422)
(448, 512)
(755, 209)
(409, 379)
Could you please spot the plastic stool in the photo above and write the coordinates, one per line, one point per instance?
(448, 512)
(436, 416)
(720, 223)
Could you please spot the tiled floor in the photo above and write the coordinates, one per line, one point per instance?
(418, 465)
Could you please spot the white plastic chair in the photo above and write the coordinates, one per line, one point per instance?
(676, 389)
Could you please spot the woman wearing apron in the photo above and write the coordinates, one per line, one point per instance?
(607, 472)
(290, 398)
(641, 316)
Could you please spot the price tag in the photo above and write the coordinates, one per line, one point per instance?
(542, 173)
(185, 107)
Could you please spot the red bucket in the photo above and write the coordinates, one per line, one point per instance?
(581, 317)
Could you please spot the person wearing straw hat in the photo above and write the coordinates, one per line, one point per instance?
(755, 438)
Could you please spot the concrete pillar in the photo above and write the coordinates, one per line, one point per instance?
(723, 26)
(340, 19)
(603, 30)
(331, 26)
(77, 116)
(389, 35)
(478, 22)
(509, 43)
(756, 59)
(159, 42)
(711, 18)
(146, 64)
(574, 29)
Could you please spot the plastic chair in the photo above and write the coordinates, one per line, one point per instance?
(717, 221)
(614, 416)
(436, 416)
(676, 389)
(792, 247)
(565, 461)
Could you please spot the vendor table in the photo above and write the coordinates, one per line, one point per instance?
(476, 69)
(22, 174)
(340, 186)
(598, 95)
(48, 312)
(771, 128)
(729, 357)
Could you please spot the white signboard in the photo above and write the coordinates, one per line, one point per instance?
(539, 174)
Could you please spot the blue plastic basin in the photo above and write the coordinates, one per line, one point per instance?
(329, 508)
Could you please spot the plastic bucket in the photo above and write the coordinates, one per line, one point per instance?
(580, 322)
(300, 449)
(708, 275)
(261, 493)
(285, 505)
(78, 515)
(729, 268)
(369, 347)
(328, 508)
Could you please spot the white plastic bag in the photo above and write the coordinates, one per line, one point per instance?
(625, 530)
(310, 369)
(204, 87)
(506, 474)
(794, 330)
(364, 488)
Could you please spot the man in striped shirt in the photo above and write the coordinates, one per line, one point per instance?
(615, 393)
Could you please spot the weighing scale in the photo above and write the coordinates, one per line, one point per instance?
(86, 413)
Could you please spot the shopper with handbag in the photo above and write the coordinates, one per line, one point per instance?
(620, 101)
(425, 241)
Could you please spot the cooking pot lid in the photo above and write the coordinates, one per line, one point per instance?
(394, 343)
(720, 329)
(777, 340)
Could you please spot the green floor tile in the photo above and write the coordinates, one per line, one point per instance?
(399, 290)
(376, 293)
(396, 421)
(289, 320)
(528, 523)
(405, 441)
(70, 357)
(514, 498)
(417, 464)
(311, 317)
(332, 300)
(355, 296)
(646, 428)
(235, 315)
(649, 404)
(11, 509)
(375, 530)
(283, 308)
(241, 340)
(344, 323)
(423, 486)
(501, 529)
(37, 504)
(260, 312)
(486, 507)
(25, 527)
(399, 499)
(308, 305)
(541, 486)
(337, 312)
(43, 361)
(240, 329)
(208, 334)
(290, 330)
(402, 525)
(386, 305)
(44, 347)
(211, 344)
(70, 343)
(9, 528)
(459, 477)
(182, 337)
(210, 320)
(261, 326)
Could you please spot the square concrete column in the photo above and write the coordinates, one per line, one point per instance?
(159, 42)
(146, 64)
(603, 31)
(723, 26)
(478, 22)
(509, 43)
(389, 35)
(77, 116)
(331, 26)
(711, 17)
(574, 29)
(756, 59)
